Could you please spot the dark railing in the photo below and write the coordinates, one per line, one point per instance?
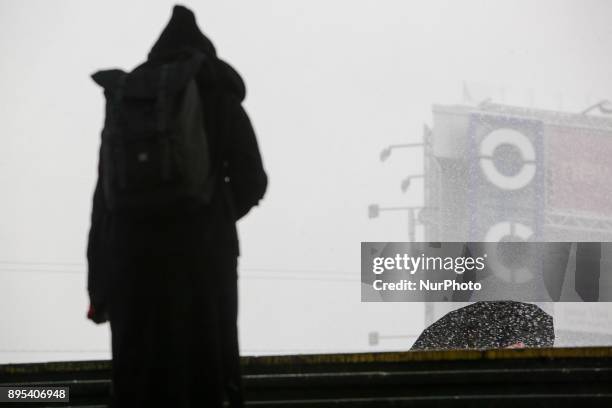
(492, 378)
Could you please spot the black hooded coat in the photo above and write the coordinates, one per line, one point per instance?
(169, 284)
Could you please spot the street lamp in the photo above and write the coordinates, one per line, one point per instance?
(386, 152)
(406, 182)
(374, 211)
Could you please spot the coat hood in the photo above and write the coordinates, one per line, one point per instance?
(182, 32)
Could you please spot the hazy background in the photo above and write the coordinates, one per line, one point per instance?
(329, 83)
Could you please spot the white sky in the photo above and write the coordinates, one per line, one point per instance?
(329, 84)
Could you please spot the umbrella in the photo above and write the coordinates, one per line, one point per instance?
(482, 325)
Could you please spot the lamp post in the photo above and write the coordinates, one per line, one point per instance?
(386, 152)
(374, 211)
(406, 182)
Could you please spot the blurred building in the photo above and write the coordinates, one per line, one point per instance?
(502, 173)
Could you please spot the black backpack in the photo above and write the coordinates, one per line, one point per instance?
(155, 153)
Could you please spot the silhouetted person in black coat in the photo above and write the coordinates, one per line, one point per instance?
(168, 284)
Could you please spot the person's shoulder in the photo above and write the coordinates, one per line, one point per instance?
(230, 79)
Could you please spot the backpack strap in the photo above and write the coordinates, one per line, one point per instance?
(162, 96)
(208, 78)
(116, 118)
(117, 101)
(162, 122)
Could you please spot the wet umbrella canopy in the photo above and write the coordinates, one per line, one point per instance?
(484, 325)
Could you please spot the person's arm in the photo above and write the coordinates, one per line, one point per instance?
(247, 179)
(97, 274)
